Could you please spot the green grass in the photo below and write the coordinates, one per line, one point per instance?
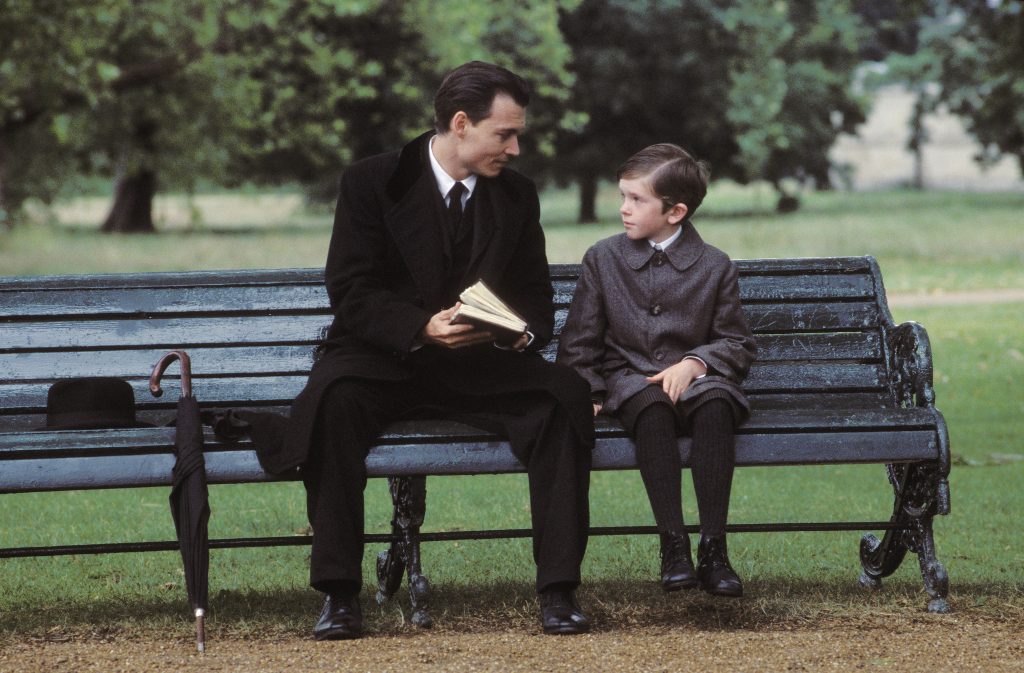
(923, 242)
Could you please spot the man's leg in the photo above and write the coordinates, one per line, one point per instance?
(558, 469)
(351, 416)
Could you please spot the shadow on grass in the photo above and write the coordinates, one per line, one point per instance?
(769, 603)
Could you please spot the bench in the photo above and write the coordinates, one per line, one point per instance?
(836, 382)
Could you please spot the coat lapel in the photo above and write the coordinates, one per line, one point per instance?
(495, 222)
(415, 220)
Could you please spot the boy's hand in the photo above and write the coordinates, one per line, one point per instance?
(597, 408)
(677, 378)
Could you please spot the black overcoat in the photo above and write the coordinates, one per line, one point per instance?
(386, 275)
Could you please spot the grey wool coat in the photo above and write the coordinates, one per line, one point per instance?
(636, 312)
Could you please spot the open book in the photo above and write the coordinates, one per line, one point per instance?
(480, 306)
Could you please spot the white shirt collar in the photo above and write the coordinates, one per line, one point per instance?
(664, 244)
(445, 182)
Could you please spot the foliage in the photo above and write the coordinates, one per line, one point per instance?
(982, 78)
(44, 73)
(967, 57)
(266, 91)
(759, 88)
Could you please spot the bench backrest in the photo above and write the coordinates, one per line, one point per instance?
(820, 326)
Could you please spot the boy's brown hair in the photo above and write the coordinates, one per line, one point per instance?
(672, 173)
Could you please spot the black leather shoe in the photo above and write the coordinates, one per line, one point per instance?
(676, 564)
(560, 614)
(341, 618)
(716, 575)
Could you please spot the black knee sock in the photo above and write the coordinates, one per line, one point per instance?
(712, 461)
(657, 454)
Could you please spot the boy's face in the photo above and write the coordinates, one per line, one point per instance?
(641, 212)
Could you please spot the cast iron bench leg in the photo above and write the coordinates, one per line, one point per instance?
(409, 495)
(915, 487)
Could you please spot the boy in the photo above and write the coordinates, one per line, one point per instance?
(657, 330)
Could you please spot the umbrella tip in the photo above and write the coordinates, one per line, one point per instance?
(200, 630)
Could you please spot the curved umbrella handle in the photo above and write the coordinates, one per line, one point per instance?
(186, 373)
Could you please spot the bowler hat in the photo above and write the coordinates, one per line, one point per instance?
(91, 403)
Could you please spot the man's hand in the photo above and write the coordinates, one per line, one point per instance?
(441, 332)
(597, 408)
(677, 378)
(522, 342)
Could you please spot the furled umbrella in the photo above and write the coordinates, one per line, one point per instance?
(189, 499)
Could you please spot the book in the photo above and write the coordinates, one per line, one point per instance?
(481, 307)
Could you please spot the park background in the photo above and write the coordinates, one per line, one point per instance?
(219, 130)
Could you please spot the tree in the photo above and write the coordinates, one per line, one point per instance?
(901, 35)
(265, 91)
(759, 88)
(981, 77)
(53, 59)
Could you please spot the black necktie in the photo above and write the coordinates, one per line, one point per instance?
(455, 207)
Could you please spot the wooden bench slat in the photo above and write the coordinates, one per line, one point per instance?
(808, 317)
(494, 457)
(181, 279)
(161, 332)
(161, 439)
(154, 301)
(266, 359)
(133, 363)
(279, 388)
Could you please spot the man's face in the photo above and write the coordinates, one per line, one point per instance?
(485, 148)
(642, 215)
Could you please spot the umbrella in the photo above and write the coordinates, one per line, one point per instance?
(189, 499)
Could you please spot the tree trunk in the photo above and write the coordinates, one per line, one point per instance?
(132, 212)
(917, 140)
(6, 216)
(588, 198)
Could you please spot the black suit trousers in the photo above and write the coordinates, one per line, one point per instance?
(355, 411)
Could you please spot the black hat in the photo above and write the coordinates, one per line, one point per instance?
(91, 403)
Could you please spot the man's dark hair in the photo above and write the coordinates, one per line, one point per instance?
(471, 88)
(672, 174)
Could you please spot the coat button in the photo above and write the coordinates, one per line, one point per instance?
(658, 355)
(656, 309)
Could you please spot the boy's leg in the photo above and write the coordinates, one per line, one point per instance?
(713, 459)
(651, 419)
(657, 455)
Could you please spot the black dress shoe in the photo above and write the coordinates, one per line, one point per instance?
(716, 575)
(341, 618)
(560, 614)
(676, 565)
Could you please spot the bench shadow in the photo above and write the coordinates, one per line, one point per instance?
(501, 607)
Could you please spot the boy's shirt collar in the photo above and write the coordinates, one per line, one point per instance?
(681, 255)
(668, 241)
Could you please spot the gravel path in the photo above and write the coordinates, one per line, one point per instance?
(966, 298)
(926, 643)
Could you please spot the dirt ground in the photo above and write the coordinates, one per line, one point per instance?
(893, 642)
(800, 627)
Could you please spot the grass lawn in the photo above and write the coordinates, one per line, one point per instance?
(924, 242)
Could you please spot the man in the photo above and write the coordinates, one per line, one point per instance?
(412, 229)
